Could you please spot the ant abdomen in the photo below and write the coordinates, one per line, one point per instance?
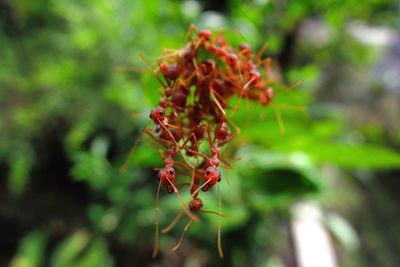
(195, 204)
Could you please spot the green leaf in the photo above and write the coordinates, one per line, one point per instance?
(31, 251)
(349, 156)
(69, 249)
(81, 250)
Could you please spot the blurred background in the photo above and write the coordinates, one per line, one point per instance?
(70, 76)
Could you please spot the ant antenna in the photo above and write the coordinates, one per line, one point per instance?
(173, 223)
(188, 213)
(124, 166)
(220, 252)
(156, 241)
(177, 246)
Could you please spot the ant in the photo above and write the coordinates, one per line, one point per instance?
(166, 176)
(204, 35)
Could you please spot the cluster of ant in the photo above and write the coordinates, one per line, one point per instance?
(198, 82)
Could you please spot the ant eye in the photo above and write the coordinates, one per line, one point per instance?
(161, 113)
(219, 180)
(208, 172)
(171, 172)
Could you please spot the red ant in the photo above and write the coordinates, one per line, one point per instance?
(166, 175)
(204, 35)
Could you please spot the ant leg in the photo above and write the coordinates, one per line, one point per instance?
(236, 133)
(280, 121)
(154, 69)
(199, 154)
(192, 28)
(201, 187)
(259, 54)
(183, 166)
(173, 223)
(138, 115)
(192, 167)
(242, 92)
(130, 69)
(177, 246)
(240, 72)
(227, 165)
(177, 146)
(156, 241)
(217, 102)
(210, 141)
(284, 106)
(168, 53)
(220, 252)
(267, 65)
(188, 213)
(218, 95)
(187, 140)
(124, 166)
(163, 143)
(213, 212)
(237, 129)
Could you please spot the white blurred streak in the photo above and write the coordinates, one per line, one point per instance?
(315, 32)
(212, 20)
(311, 241)
(371, 35)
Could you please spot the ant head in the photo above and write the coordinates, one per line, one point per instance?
(231, 59)
(170, 71)
(222, 131)
(157, 114)
(220, 40)
(189, 52)
(254, 75)
(266, 96)
(245, 49)
(219, 52)
(208, 66)
(167, 176)
(195, 204)
(213, 175)
(205, 34)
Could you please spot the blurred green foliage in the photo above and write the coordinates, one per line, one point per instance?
(65, 127)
